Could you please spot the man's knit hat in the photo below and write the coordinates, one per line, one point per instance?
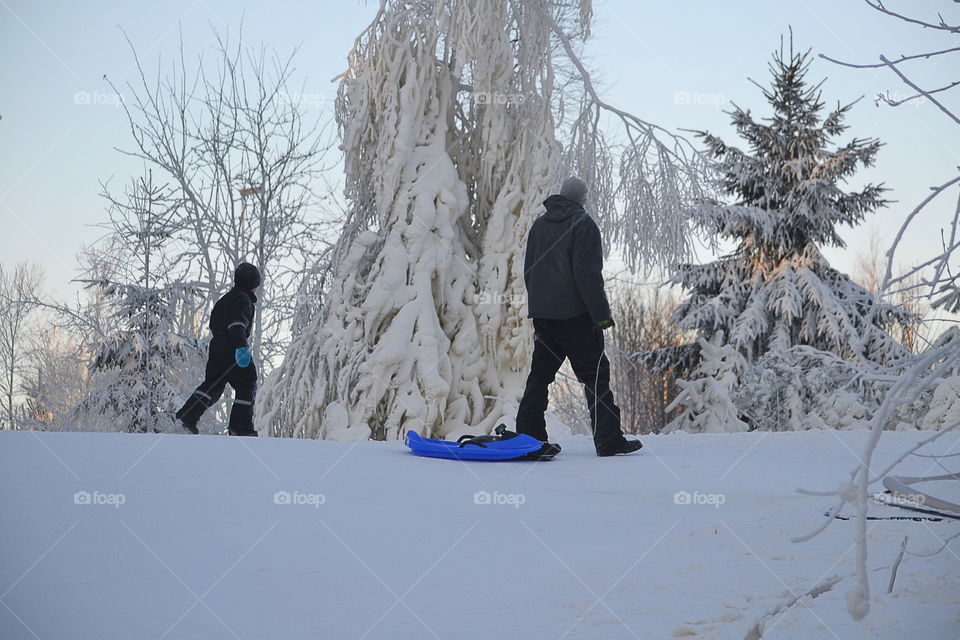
(575, 189)
(246, 276)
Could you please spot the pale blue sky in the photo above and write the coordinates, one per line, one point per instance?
(674, 63)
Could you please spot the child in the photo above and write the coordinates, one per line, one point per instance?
(230, 361)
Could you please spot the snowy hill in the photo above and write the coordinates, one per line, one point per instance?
(119, 536)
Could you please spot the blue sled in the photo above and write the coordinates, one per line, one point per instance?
(510, 449)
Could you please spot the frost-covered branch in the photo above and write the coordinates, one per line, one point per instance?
(19, 287)
(880, 65)
(660, 184)
(940, 263)
(941, 26)
(926, 94)
(241, 157)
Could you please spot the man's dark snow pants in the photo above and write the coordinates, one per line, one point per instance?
(222, 370)
(575, 338)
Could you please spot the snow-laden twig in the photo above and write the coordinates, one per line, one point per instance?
(896, 564)
(940, 359)
(756, 631)
(926, 94)
(943, 545)
(941, 26)
(880, 65)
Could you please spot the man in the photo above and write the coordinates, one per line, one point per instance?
(566, 300)
(230, 361)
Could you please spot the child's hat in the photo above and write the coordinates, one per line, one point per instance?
(246, 276)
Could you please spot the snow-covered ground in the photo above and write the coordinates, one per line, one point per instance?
(120, 536)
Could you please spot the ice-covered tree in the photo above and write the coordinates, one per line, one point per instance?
(141, 364)
(643, 324)
(139, 373)
(707, 407)
(785, 200)
(19, 288)
(232, 137)
(55, 380)
(458, 117)
(776, 289)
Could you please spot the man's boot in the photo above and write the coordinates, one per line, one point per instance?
(627, 446)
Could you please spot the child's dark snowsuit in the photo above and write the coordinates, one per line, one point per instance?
(230, 323)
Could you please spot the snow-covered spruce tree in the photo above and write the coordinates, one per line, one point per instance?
(141, 366)
(139, 373)
(776, 290)
(708, 407)
(449, 114)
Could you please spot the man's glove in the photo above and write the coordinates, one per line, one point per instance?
(603, 324)
(243, 357)
(598, 328)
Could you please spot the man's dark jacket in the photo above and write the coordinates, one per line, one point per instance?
(563, 264)
(232, 317)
